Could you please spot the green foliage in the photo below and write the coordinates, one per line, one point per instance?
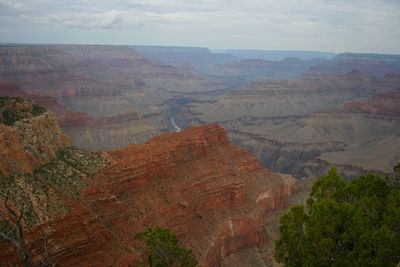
(13, 109)
(353, 223)
(86, 162)
(161, 249)
(68, 171)
(63, 177)
(394, 180)
(41, 193)
(292, 233)
(37, 110)
(28, 191)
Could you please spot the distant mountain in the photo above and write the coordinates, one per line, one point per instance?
(183, 55)
(277, 55)
(238, 65)
(305, 125)
(256, 69)
(376, 64)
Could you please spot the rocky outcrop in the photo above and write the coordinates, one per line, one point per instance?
(53, 209)
(30, 142)
(212, 194)
(65, 116)
(7, 89)
(186, 181)
(91, 133)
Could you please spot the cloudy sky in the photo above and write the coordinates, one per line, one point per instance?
(320, 25)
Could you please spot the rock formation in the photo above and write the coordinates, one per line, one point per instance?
(376, 64)
(94, 134)
(86, 84)
(288, 97)
(386, 103)
(214, 195)
(260, 69)
(304, 126)
(31, 141)
(105, 97)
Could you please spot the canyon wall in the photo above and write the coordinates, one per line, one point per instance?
(106, 97)
(375, 64)
(85, 85)
(385, 103)
(306, 125)
(214, 195)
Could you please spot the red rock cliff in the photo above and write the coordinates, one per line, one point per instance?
(212, 194)
(29, 143)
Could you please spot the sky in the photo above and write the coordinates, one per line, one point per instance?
(311, 25)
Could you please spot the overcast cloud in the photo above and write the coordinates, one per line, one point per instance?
(324, 25)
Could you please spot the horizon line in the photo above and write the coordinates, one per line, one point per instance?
(220, 50)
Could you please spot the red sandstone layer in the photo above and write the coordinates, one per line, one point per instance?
(387, 103)
(213, 194)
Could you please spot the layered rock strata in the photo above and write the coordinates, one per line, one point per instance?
(30, 142)
(212, 194)
(86, 84)
(91, 133)
(305, 126)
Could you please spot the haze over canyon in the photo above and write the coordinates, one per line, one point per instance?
(297, 116)
(100, 142)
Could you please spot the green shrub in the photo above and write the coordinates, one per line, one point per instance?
(353, 223)
(161, 249)
(13, 109)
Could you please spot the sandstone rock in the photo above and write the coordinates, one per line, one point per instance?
(212, 194)
(386, 103)
(30, 143)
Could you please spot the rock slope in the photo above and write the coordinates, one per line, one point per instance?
(84, 85)
(214, 195)
(385, 103)
(284, 98)
(304, 126)
(91, 133)
(30, 139)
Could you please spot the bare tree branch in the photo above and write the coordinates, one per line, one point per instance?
(15, 220)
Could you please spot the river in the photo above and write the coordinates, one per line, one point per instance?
(177, 128)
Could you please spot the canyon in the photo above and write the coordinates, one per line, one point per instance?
(214, 146)
(112, 95)
(298, 112)
(214, 195)
(304, 126)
